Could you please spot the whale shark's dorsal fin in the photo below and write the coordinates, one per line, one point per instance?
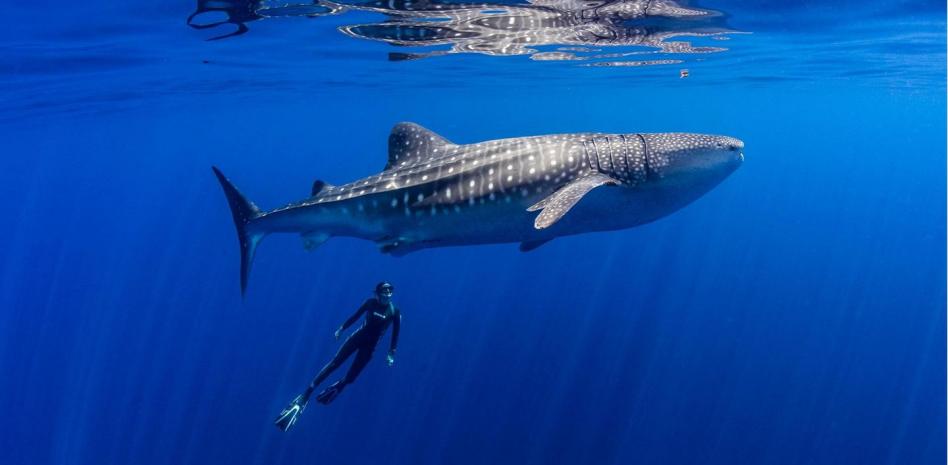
(411, 143)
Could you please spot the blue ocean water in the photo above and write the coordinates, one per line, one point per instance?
(793, 315)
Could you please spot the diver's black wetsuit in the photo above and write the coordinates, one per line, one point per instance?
(378, 317)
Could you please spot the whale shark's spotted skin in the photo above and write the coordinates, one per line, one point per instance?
(433, 192)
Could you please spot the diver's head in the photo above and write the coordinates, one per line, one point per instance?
(383, 291)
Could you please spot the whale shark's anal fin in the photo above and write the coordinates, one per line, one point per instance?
(396, 246)
(557, 204)
(411, 143)
(527, 246)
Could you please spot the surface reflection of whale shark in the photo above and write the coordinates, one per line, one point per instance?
(576, 29)
(238, 13)
(518, 29)
(241, 12)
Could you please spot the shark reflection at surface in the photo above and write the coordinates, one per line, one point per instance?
(546, 30)
(579, 28)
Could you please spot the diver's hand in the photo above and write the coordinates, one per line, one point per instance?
(390, 358)
(338, 333)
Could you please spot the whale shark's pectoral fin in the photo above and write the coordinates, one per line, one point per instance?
(557, 204)
(527, 246)
(312, 240)
(411, 143)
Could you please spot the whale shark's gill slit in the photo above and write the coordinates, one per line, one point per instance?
(612, 160)
(586, 155)
(592, 157)
(648, 169)
(625, 171)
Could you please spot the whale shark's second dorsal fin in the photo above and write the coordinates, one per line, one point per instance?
(319, 186)
(410, 143)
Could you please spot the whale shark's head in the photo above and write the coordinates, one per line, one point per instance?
(679, 168)
(698, 161)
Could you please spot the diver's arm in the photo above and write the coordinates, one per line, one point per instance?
(396, 326)
(352, 319)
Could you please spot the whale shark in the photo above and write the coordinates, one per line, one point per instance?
(529, 190)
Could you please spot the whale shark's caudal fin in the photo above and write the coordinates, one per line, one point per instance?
(244, 212)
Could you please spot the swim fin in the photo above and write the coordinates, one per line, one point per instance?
(330, 393)
(288, 416)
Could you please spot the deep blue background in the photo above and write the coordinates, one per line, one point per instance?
(795, 314)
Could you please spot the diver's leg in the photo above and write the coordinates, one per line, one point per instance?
(348, 347)
(361, 359)
(287, 418)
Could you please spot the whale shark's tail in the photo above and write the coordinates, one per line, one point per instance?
(245, 212)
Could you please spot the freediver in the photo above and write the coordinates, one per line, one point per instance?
(379, 312)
